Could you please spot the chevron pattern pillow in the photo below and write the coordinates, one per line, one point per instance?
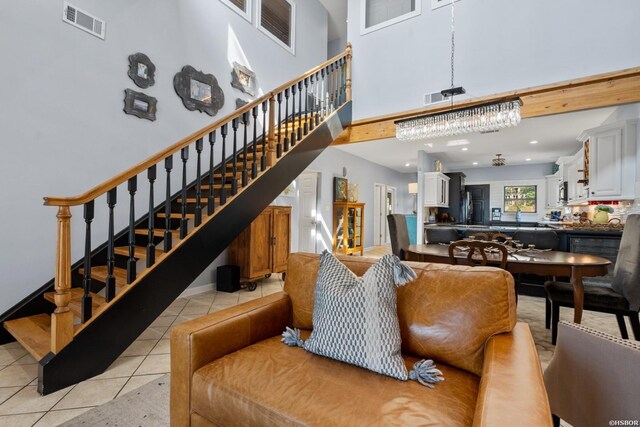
(355, 319)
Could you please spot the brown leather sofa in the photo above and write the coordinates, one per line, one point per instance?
(230, 368)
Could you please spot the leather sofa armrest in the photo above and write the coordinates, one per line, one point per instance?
(511, 387)
(198, 342)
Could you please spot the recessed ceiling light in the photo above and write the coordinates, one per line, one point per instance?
(533, 142)
(458, 142)
(464, 148)
(527, 160)
(407, 164)
(475, 163)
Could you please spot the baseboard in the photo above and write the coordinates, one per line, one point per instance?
(189, 292)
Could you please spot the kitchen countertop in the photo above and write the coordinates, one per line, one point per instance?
(557, 227)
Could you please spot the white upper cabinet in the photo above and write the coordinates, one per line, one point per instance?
(553, 191)
(436, 190)
(612, 160)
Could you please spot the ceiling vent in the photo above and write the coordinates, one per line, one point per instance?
(433, 98)
(81, 19)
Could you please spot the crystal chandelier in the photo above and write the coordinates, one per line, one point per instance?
(486, 117)
(498, 161)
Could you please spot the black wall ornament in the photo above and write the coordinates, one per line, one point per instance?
(241, 103)
(198, 91)
(141, 70)
(140, 105)
(243, 78)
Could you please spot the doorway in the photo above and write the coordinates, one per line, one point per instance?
(480, 203)
(384, 203)
(308, 211)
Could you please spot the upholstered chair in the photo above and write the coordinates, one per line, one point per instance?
(399, 234)
(592, 379)
(441, 235)
(622, 298)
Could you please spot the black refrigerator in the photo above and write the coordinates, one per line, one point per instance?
(460, 207)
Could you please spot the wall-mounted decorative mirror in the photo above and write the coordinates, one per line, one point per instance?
(141, 70)
(140, 105)
(243, 78)
(199, 91)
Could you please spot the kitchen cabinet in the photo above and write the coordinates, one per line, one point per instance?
(263, 248)
(348, 227)
(577, 192)
(436, 190)
(553, 183)
(612, 154)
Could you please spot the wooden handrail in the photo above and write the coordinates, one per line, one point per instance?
(123, 177)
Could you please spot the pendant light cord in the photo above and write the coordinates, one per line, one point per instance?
(453, 40)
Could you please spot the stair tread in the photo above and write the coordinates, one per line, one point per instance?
(228, 175)
(203, 201)
(215, 186)
(75, 305)
(139, 252)
(100, 273)
(158, 232)
(177, 215)
(33, 332)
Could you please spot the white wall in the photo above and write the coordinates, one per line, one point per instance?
(365, 174)
(63, 128)
(500, 45)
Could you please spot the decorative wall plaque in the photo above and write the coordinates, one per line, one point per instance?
(241, 103)
(243, 78)
(141, 70)
(198, 91)
(140, 105)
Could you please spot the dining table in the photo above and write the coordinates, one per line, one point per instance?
(528, 261)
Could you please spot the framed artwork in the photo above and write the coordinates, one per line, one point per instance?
(243, 78)
(141, 70)
(140, 105)
(340, 189)
(520, 198)
(199, 91)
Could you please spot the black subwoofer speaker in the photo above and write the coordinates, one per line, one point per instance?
(228, 278)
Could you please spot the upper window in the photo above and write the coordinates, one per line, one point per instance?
(242, 7)
(522, 198)
(378, 14)
(276, 18)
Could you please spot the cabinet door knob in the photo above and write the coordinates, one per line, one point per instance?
(593, 192)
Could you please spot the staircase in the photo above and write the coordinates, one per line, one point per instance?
(77, 324)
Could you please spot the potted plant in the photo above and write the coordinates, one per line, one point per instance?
(601, 214)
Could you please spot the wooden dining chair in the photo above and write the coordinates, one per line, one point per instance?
(440, 234)
(480, 248)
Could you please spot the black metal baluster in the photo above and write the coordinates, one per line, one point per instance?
(263, 160)
(311, 114)
(86, 277)
(254, 164)
(306, 106)
(168, 236)
(151, 246)
(286, 120)
(337, 97)
(184, 155)
(344, 81)
(292, 140)
(198, 210)
(110, 281)
(245, 171)
(234, 181)
(299, 110)
(211, 202)
(322, 96)
(223, 191)
(132, 186)
(279, 144)
(332, 86)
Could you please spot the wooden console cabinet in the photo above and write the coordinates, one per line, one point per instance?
(263, 247)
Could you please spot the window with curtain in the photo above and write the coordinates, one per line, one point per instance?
(277, 21)
(242, 7)
(380, 13)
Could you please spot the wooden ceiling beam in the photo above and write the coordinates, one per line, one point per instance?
(601, 90)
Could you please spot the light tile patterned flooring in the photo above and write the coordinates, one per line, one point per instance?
(145, 360)
(148, 357)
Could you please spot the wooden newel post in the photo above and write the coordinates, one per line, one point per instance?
(348, 72)
(62, 317)
(271, 154)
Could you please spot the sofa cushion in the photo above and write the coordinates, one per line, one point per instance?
(313, 390)
(446, 314)
(355, 319)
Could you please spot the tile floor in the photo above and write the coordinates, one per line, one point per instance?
(145, 360)
(148, 357)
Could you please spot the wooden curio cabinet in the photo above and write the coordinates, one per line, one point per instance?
(263, 248)
(348, 227)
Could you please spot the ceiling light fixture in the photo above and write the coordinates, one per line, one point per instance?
(533, 142)
(464, 148)
(475, 163)
(498, 161)
(485, 117)
(407, 164)
(527, 160)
